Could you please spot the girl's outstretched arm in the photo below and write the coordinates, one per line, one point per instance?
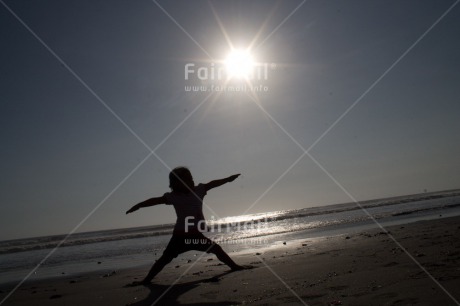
(217, 183)
(147, 203)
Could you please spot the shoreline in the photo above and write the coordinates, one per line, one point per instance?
(233, 246)
(166, 229)
(363, 268)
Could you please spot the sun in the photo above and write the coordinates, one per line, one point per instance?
(239, 64)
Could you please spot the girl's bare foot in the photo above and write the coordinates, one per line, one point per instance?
(243, 267)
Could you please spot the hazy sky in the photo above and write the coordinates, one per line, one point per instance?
(64, 153)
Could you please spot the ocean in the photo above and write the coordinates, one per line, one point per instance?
(110, 250)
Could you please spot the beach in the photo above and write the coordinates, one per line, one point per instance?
(411, 264)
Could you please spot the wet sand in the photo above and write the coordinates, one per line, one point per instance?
(367, 268)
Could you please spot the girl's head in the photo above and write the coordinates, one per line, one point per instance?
(181, 180)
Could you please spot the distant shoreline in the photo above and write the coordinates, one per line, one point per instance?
(167, 227)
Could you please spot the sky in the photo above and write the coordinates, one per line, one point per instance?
(90, 88)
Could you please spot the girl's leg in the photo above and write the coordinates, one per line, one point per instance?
(157, 267)
(172, 250)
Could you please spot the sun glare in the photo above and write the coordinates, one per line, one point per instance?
(239, 64)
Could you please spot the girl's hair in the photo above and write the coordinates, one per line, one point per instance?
(181, 180)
